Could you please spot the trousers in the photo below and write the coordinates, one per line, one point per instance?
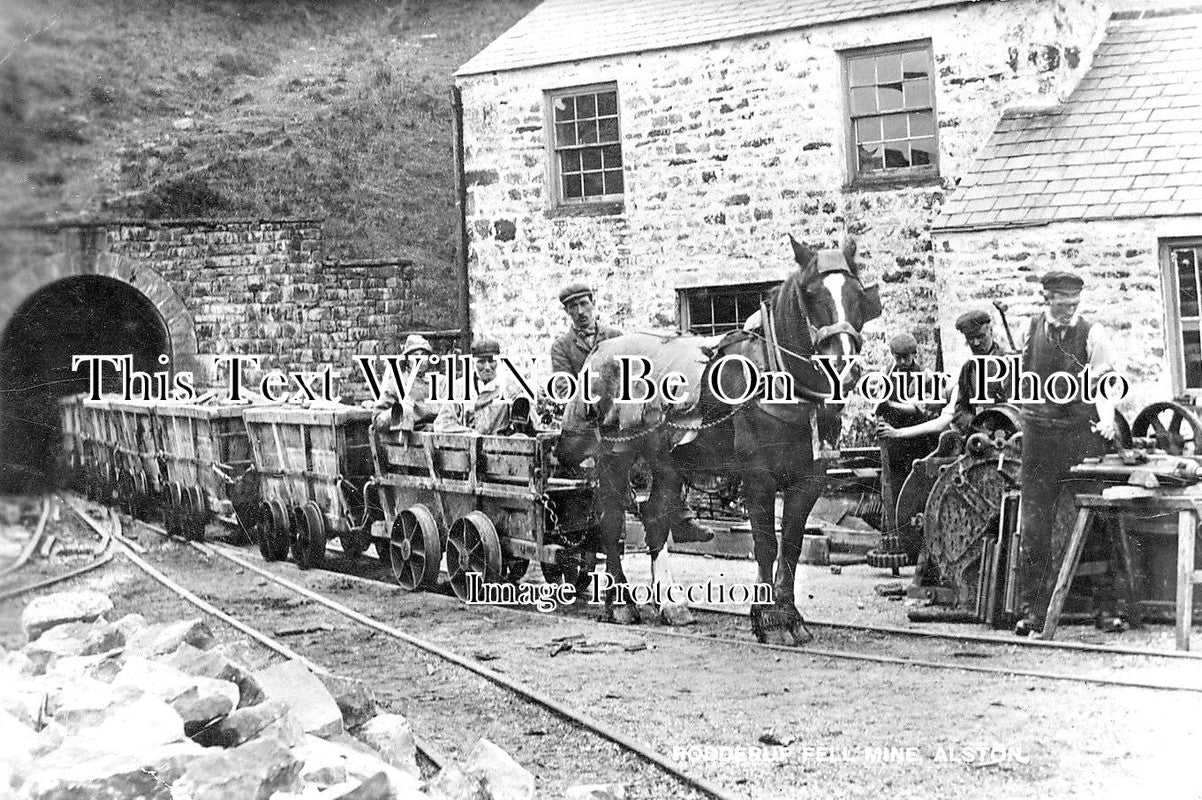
(1051, 447)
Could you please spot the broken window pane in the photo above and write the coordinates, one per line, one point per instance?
(915, 64)
(889, 96)
(565, 108)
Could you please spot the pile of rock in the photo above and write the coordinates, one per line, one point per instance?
(130, 709)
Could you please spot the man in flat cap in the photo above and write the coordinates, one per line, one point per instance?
(488, 414)
(1056, 436)
(568, 352)
(410, 412)
(901, 414)
(977, 328)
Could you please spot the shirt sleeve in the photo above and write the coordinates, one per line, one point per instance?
(1099, 350)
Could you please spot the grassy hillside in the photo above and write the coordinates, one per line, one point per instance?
(185, 108)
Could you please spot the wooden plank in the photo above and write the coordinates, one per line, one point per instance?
(1068, 568)
(1187, 526)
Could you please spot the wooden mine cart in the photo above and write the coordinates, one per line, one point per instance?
(206, 464)
(99, 437)
(489, 503)
(313, 465)
(136, 454)
(70, 457)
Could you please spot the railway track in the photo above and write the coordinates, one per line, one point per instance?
(635, 762)
(1018, 658)
(864, 643)
(26, 575)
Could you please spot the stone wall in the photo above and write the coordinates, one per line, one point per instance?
(1119, 261)
(259, 288)
(730, 146)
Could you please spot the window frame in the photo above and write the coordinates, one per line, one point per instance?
(896, 176)
(685, 293)
(558, 204)
(1172, 310)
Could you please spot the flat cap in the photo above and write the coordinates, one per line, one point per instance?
(415, 342)
(971, 321)
(904, 344)
(574, 291)
(1060, 281)
(486, 347)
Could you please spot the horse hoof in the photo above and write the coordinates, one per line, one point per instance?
(676, 615)
(625, 615)
(781, 625)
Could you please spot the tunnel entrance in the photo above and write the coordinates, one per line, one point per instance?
(87, 314)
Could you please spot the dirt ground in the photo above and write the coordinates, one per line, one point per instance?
(837, 728)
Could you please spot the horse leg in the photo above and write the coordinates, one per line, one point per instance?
(664, 508)
(799, 500)
(759, 494)
(613, 478)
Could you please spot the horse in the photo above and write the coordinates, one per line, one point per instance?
(819, 309)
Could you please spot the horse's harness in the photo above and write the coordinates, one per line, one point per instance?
(772, 351)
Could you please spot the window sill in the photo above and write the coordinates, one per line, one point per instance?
(893, 182)
(608, 209)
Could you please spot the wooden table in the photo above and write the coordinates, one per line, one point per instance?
(1186, 507)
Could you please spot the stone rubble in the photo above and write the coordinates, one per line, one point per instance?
(133, 709)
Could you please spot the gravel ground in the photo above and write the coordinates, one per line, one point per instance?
(1048, 739)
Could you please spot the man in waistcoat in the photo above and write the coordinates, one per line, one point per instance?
(1056, 436)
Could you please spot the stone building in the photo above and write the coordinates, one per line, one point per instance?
(663, 149)
(1108, 184)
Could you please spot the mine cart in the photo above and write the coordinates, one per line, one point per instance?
(489, 503)
(205, 462)
(136, 455)
(70, 460)
(99, 436)
(313, 464)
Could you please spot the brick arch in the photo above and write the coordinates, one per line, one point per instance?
(181, 328)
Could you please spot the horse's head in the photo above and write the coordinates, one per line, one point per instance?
(835, 301)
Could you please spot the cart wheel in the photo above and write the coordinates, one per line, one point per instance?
(414, 550)
(514, 569)
(472, 547)
(310, 547)
(198, 514)
(173, 509)
(273, 543)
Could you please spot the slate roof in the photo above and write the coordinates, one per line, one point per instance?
(573, 30)
(1126, 143)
